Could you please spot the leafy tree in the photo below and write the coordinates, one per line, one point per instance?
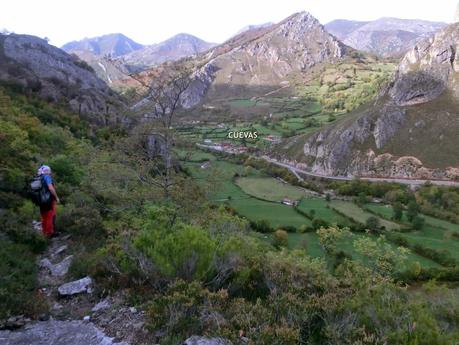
(373, 224)
(397, 210)
(412, 210)
(417, 222)
(382, 257)
(328, 237)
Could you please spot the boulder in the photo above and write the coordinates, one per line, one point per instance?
(76, 287)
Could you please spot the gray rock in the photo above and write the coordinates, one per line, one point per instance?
(60, 269)
(196, 340)
(101, 305)
(57, 333)
(57, 76)
(60, 250)
(76, 287)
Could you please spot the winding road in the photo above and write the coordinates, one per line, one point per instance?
(411, 182)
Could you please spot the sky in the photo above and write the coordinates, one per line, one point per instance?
(149, 22)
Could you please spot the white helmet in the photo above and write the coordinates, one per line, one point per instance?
(44, 169)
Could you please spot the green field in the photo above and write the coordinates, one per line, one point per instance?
(434, 234)
(244, 188)
(218, 181)
(268, 188)
(321, 210)
(276, 214)
(354, 212)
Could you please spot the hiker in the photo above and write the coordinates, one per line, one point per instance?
(48, 210)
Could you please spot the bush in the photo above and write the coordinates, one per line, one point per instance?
(84, 222)
(280, 238)
(186, 251)
(442, 257)
(262, 226)
(17, 281)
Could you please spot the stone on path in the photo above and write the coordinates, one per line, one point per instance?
(60, 269)
(75, 287)
(195, 340)
(57, 333)
(60, 249)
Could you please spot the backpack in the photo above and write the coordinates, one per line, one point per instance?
(39, 191)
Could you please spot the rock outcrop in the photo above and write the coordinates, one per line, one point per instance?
(410, 131)
(56, 76)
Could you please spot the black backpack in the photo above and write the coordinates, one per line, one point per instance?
(39, 192)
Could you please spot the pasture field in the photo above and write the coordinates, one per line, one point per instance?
(322, 210)
(269, 188)
(354, 212)
(244, 194)
(276, 214)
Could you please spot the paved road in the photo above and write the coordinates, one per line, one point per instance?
(371, 179)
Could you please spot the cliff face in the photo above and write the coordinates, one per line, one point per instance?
(56, 76)
(410, 130)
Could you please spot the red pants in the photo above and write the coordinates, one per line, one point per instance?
(48, 217)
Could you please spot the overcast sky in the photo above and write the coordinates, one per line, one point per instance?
(212, 20)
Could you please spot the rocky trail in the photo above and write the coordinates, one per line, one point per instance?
(79, 314)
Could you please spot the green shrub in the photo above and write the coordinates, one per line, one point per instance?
(17, 280)
(185, 251)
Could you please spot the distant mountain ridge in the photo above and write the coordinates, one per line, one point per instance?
(114, 45)
(174, 48)
(135, 56)
(386, 37)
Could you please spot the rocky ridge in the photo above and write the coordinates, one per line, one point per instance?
(56, 77)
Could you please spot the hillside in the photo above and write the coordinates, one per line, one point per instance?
(32, 64)
(409, 131)
(271, 59)
(386, 37)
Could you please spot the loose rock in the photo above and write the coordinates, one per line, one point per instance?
(60, 269)
(76, 287)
